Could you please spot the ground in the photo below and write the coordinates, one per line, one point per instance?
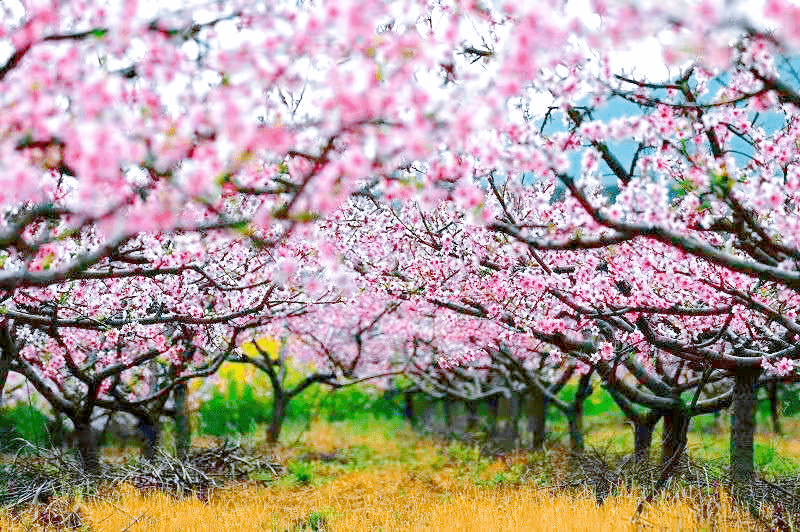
(380, 475)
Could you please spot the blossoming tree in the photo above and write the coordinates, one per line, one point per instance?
(125, 121)
(120, 336)
(487, 298)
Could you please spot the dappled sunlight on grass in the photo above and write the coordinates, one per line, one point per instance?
(379, 436)
(709, 441)
(614, 438)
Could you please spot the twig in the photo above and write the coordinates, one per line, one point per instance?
(133, 522)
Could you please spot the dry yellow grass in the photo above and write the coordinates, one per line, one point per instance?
(396, 500)
(410, 485)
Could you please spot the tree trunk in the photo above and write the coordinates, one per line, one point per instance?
(514, 416)
(6, 357)
(151, 431)
(428, 415)
(503, 420)
(643, 436)
(408, 407)
(88, 443)
(278, 415)
(473, 417)
(3, 378)
(447, 408)
(458, 427)
(5, 365)
(506, 432)
(674, 438)
(743, 424)
(183, 434)
(575, 416)
(774, 406)
(575, 422)
(537, 409)
(494, 407)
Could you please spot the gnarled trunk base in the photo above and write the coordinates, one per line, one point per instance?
(743, 425)
(183, 436)
(537, 410)
(643, 436)
(276, 422)
(87, 440)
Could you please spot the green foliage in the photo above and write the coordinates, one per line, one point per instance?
(464, 454)
(20, 424)
(599, 403)
(237, 411)
(770, 463)
(682, 187)
(315, 520)
(789, 401)
(302, 472)
(344, 403)
(513, 476)
(240, 409)
(720, 184)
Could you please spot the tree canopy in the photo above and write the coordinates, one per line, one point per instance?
(396, 184)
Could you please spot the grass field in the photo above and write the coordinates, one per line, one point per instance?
(394, 499)
(380, 475)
